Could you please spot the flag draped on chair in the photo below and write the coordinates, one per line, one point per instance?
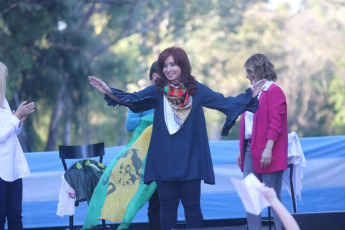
(121, 191)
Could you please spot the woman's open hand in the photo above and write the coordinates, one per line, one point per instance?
(100, 85)
(258, 86)
(24, 110)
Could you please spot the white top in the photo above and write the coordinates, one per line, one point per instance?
(13, 164)
(66, 203)
(170, 118)
(295, 157)
(248, 118)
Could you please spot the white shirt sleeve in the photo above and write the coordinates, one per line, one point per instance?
(8, 128)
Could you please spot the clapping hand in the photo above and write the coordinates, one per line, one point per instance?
(258, 86)
(24, 110)
(100, 85)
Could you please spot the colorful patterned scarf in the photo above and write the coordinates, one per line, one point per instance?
(176, 94)
(180, 102)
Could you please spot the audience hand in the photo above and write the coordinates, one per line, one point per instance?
(269, 193)
(287, 219)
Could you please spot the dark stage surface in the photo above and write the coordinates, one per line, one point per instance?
(231, 224)
(306, 221)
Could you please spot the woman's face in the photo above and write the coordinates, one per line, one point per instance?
(250, 76)
(171, 70)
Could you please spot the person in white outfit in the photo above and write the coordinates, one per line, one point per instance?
(13, 165)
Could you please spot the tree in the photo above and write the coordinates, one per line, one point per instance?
(59, 43)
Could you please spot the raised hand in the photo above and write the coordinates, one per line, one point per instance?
(269, 193)
(258, 86)
(100, 85)
(24, 110)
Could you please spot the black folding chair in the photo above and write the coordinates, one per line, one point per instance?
(81, 152)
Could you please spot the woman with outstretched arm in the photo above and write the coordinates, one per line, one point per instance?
(178, 156)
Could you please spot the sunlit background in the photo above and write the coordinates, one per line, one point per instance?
(50, 47)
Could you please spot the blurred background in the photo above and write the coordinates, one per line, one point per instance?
(51, 46)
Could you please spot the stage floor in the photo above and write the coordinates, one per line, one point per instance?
(223, 224)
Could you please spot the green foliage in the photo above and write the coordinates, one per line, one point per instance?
(50, 47)
(337, 99)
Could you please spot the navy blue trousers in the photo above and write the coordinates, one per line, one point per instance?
(170, 193)
(11, 196)
(154, 212)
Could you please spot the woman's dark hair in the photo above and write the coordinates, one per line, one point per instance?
(260, 67)
(181, 59)
(153, 69)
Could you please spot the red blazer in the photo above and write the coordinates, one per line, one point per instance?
(269, 122)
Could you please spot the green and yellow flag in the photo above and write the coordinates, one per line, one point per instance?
(121, 191)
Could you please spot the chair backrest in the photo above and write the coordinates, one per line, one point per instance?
(81, 152)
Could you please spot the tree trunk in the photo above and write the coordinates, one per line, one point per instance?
(67, 129)
(56, 115)
(86, 126)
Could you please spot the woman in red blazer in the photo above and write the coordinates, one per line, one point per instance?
(264, 135)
